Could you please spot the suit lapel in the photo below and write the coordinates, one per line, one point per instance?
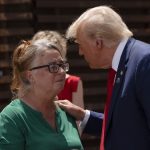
(119, 79)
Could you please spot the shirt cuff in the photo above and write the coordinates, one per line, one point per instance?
(83, 123)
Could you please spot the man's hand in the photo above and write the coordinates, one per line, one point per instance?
(72, 109)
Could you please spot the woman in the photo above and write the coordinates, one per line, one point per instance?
(33, 120)
(73, 88)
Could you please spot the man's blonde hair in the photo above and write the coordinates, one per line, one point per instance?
(102, 22)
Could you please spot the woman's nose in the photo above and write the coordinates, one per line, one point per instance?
(61, 70)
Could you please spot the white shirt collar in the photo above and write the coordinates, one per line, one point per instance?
(118, 53)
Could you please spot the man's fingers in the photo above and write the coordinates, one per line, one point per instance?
(72, 109)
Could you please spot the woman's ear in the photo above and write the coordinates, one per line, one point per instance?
(28, 76)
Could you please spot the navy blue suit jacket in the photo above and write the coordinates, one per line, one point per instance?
(128, 126)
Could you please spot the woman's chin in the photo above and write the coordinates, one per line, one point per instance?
(59, 88)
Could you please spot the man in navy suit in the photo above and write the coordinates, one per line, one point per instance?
(106, 42)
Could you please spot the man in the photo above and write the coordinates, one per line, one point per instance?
(106, 42)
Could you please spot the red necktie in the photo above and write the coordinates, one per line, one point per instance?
(111, 76)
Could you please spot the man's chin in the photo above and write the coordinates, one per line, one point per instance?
(93, 66)
(98, 67)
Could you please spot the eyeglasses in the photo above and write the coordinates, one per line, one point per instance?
(53, 67)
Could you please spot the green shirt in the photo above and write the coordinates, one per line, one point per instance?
(22, 128)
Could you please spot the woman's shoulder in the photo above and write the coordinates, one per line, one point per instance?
(64, 114)
(13, 109)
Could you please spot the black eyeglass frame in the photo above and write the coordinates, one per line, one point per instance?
(64, 65)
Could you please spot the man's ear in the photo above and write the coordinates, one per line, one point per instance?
(99, 43)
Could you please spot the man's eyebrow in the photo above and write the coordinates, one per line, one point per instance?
(71, 40)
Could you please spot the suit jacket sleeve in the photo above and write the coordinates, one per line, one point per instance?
(143, 86)
(94, 124)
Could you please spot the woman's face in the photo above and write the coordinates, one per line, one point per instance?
(45, 83)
